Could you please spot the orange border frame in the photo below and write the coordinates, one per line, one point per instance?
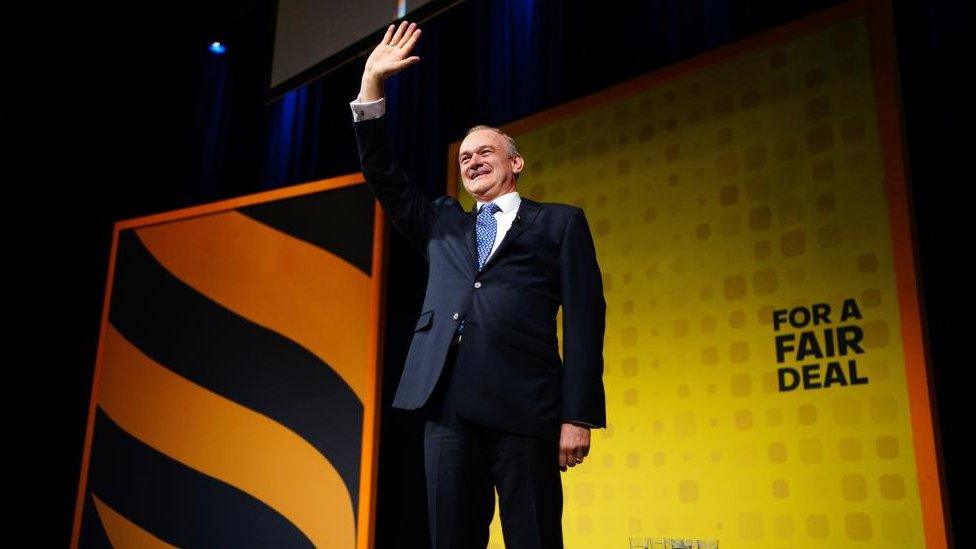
(366, 513)
(928, 460)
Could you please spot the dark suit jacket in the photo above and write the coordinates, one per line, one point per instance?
(511, 373)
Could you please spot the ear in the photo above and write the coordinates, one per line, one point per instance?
(517, 163)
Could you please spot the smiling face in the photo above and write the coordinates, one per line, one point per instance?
(487, 168)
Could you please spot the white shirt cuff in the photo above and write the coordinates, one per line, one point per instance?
(366, 110)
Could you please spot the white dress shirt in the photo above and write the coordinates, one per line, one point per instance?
(366, 110)
(508, 204)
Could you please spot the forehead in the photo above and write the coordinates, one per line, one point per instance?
(479, 139)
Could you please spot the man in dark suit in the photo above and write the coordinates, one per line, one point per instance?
(503, 409)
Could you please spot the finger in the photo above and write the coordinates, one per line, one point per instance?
(387, 36)
(411, 30)
(408, 45)
(399, 33)
(400, 65)
(565, 457)
(398, 37)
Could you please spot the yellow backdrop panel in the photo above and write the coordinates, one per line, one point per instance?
(721, 197)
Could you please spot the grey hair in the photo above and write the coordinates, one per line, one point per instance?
(512, 148)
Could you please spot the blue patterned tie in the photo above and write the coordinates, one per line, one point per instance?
(485, 230)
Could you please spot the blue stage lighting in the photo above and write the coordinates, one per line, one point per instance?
(217, 48)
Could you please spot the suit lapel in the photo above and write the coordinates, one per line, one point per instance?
(469, 236)
(523, 219)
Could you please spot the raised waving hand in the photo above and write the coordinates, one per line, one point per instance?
(390, 56)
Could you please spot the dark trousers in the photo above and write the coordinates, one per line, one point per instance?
(465, 462)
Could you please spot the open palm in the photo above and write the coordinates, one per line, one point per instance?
(392, 55)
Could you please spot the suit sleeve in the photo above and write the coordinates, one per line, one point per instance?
(584, 324)
(403, 201)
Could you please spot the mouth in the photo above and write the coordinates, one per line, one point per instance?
(477, 175)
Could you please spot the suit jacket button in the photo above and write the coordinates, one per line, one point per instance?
(477, 284)
(456, 316)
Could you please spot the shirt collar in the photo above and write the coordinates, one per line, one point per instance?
(506, 202)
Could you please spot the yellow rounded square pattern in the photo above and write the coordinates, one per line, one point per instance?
(716, 197)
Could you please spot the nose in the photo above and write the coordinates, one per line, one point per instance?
(475, 162)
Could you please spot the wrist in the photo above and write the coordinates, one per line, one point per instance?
(371, 87)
